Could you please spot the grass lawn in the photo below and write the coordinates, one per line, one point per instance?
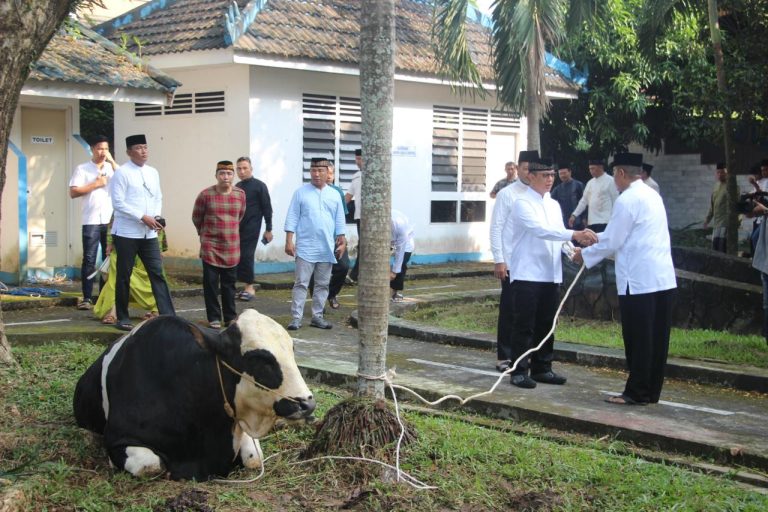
(689, 343)
(50, 464)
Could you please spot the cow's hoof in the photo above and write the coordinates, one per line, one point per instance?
(142, 462)
(250, 452)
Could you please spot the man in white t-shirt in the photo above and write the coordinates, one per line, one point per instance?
(354, 194)
(89, 182)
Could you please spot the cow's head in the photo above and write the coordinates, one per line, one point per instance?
(265, 355)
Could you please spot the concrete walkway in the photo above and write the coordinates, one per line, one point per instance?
(720, 422)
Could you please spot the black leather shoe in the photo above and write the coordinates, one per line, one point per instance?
(522, 381)
(549, 377)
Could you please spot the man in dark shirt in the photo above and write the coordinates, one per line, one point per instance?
(257, 205)
(568, 193)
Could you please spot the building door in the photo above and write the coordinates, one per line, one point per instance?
(44, 141)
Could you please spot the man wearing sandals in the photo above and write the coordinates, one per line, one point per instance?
(638, 235)
(217, 214)
(257, 206)
(535, 274)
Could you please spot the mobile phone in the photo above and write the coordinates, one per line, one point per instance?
(264, 240)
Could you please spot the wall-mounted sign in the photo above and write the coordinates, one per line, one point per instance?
(404, 150)
(41, 139)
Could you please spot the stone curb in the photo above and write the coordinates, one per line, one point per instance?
(720, 454)
(677, 368)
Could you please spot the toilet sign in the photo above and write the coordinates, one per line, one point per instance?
(42, 139)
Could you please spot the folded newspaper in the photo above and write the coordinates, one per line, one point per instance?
(103, 268)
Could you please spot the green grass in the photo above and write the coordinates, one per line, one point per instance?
(60, 467)
(688, 343)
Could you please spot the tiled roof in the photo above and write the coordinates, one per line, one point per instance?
(172, 26)
(79, 55)
(323, 31)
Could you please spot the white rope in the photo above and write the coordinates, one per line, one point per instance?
(388, 376)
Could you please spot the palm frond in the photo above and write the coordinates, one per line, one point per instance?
(582, 11)
(654, 18)
(449, 37)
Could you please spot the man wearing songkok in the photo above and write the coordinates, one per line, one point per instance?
(638, 236)
(258, 205)
(316, 217)
(137, 200)
(568, 193)
(501, 238)
(216, 215)
(599, 196)
(535, 274)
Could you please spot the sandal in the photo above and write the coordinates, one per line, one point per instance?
(109, 319)
(623, 400)
(149, 314)
(503, 366)
(244, 296)
(334, 302)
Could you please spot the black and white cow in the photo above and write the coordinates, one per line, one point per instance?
(159, 395)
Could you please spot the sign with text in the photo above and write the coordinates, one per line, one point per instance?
(42, 139)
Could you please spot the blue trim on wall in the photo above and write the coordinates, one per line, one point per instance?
(9, 278)
(22, 205)
(82, 141)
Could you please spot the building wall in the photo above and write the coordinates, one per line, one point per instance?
(184, 148)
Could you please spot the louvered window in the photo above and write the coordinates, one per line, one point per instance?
(188, 103)
(331, 130)
(460, 138)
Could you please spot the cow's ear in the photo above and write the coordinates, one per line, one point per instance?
(225, 343)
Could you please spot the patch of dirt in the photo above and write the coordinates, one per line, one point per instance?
(13, 500)
(531, 501)
(192, 500)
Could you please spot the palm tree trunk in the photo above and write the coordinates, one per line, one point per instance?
(730, 157)
(377, 88)
(532, 112)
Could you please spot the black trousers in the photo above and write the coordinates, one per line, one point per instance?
(646, 320)
(215, 280)
(338, 275)
(247, 255)
(148, 251)
(398, 282)
(534, 310)
(597, 228)
(504, 324)
(354, 274)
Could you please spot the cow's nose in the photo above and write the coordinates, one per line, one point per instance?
(307, 405)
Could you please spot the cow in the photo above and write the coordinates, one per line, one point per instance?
(173, 397)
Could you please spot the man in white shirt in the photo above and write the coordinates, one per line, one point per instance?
(535, 273)
(645, 278)
(402, 241)
(354, 198)
(599, 195)
(501, 237)
(646, 175)
(89, 181)
(137, 200)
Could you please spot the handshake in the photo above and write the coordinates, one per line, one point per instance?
(585, 237)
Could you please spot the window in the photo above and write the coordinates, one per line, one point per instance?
(187, 103)
(331, 129)
(460, 140)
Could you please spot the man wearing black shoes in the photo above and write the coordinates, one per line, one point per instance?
(535, 272)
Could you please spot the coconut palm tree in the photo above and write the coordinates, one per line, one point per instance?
(377, 91)
(522, 31)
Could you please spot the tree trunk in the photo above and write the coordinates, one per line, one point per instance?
(26, 28)
(377, 90)
(532, 112)
(730, 157)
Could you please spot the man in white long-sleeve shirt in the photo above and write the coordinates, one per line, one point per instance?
(645, 278)
(402, 241)
(599, 195)
(137, 201)
(501, 237)
(535, 273)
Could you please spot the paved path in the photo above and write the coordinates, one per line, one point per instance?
(726, 424)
